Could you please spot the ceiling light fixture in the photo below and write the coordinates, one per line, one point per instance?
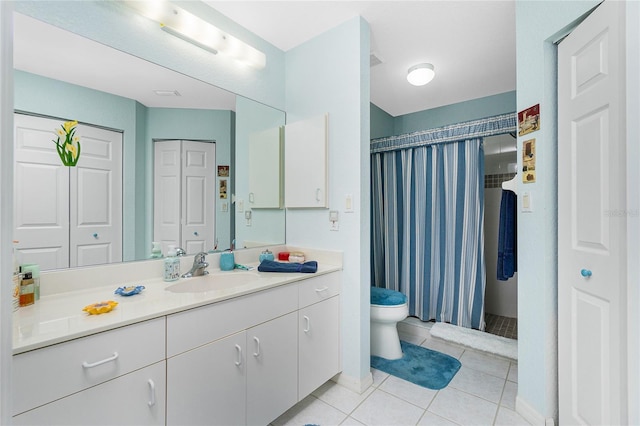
(420, 74)
(187, 26)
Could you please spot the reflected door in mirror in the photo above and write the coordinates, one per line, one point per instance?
(184, 194)
(67, 216)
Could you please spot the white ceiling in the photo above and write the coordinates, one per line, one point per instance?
(470, 43)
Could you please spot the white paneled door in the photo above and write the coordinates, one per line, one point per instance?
(67, 216)
(184, 194)
(591, 221)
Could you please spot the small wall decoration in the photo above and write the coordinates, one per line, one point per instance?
(68, 144)
(223, 188)
(529, 120)
(223, 171)
(529, 161)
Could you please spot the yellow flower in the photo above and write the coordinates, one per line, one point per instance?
(69, 125)
(60, 133)
(72, 149)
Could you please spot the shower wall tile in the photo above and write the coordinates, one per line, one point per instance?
(495, 180)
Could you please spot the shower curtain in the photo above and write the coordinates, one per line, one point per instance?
(427, 215)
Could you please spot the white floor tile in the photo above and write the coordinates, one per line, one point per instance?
(378, 377)
(311, 411)
(430, 419)
(486, 363)
(513, 373)
(410, 392)
(417, 322)
(462, 408)
(444, 347)
(509, 395)
(340, 397)
(478, 383)
(384, 409)
(411, 338)
(350, 421)
(508, 417)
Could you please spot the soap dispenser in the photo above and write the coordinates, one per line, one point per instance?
(266, 255)
(171, 265)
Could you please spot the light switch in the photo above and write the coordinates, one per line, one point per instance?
(527, 202)
(240, 205)
(247, 217)
(348, 203)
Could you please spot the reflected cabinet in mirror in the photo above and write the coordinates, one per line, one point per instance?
(105, 208)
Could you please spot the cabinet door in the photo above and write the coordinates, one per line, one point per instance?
(319, 340)
(136, 398)
(272, 369)
(306, 163)
(206, 386)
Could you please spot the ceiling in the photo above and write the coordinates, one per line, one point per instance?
(470, 43)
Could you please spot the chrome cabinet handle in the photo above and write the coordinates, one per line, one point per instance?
(195, 233)
(97, 363)
(307, 327)
(152, 393)
(257, 352)
(239, 361)
(320, 290)
(585, 273)
(317, 194)
(95, 235)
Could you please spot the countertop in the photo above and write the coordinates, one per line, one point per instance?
(59, 317)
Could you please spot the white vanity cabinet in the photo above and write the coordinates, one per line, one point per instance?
(318, 332)
(233, 362)
(103, 373)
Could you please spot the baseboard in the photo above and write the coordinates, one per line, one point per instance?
(352, 383)
(531, 415)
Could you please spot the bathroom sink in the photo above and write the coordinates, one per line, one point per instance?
(211, 282)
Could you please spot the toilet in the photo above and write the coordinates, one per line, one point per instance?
(387, 308)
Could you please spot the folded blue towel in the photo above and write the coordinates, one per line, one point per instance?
(273, 266)
(507, 236)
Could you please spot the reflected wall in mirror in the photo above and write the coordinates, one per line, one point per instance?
(108, 89)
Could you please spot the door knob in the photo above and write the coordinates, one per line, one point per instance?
(585, 273)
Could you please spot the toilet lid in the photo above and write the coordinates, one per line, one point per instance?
(386, 297)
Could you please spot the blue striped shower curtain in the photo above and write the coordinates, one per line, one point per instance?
(427, 237)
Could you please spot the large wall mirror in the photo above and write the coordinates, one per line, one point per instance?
(61, 76)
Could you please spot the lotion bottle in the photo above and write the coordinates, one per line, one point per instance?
(171, 265)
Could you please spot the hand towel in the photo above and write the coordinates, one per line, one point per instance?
(507, 236)
(273, 266)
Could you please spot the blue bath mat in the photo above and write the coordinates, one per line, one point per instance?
(422, 366)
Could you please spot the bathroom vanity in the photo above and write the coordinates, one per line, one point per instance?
(241, 352)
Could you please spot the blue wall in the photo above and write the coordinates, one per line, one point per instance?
(381, 123)
(456, 113)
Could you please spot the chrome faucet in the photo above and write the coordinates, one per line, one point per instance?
(199, 266)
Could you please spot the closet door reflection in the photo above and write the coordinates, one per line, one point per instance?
(184, 194)
(66, 216)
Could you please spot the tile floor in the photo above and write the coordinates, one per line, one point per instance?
(483, 392)
(501, 326)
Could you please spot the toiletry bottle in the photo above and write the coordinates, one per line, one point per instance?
(16, 279)
(171, 265)
(35, 274)
(156, 250)
(27, 296)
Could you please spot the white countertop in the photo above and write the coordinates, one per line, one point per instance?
(59, 317)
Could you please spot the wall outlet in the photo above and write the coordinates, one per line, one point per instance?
(333, 220)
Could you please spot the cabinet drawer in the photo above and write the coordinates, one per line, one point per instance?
(197, 327)
(47, 374)
(319, 288)
(136, 398)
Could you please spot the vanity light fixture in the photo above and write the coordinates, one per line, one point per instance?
(178, 22)
(421, 74)
(167, 93)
